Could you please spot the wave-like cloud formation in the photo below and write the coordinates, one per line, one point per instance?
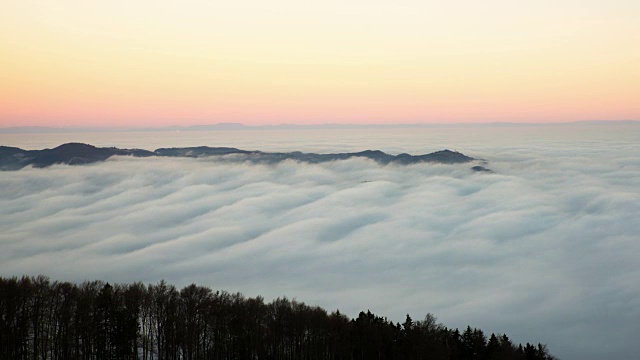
(546, 248)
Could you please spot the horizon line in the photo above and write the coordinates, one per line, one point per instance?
(227, 126)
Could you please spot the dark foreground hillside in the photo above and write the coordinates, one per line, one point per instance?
(40, 319)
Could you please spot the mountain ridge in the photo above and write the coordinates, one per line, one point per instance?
(13, 158)
(231, 126)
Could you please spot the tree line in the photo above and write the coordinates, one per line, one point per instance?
(44, 319)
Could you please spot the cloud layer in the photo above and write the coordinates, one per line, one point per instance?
(545, 249)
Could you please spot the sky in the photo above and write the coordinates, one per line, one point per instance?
(158, 63)
(545, 249)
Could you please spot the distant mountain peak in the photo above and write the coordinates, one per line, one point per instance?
(79, 153)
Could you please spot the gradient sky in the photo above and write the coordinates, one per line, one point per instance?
(155, 63)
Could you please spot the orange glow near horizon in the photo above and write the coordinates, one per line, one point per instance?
(147, 63)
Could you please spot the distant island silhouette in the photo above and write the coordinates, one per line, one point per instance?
(13, 158)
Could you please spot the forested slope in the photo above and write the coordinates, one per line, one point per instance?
(41, 319)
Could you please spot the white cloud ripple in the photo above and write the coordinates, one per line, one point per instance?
(545, 250)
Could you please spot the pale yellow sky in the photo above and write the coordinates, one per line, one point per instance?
(153, 63)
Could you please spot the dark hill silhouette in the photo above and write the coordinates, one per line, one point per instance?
(42, 319)
(12, 158)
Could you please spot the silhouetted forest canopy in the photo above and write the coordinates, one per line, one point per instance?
(41, 319)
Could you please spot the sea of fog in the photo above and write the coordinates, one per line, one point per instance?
(546, 249)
